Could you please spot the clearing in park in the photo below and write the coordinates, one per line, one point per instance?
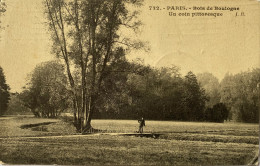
(29, 140)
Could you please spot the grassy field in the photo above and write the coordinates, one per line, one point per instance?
(180, 143)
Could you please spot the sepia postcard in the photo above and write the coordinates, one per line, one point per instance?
(129, 82)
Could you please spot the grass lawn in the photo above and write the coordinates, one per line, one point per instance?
(181, 143)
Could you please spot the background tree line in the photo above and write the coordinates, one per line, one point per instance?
(132, 90)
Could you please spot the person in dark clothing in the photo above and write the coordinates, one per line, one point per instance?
(141, 125)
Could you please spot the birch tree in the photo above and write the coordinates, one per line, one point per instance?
(89, 35)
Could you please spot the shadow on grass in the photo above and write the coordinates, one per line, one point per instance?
(37, 126)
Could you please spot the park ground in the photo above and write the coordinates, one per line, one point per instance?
(29, 140)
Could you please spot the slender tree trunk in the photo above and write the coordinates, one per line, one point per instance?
(83, 64)
(97, 79)
(74, 112)
(58, 24)
(89, 114)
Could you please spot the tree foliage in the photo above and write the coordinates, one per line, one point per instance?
(46, 93)
(211, 86)
(194, 98)
(159, 94)
(4, 93)
(16, 106)
(162, 94)
(240, 93)
(218, 113)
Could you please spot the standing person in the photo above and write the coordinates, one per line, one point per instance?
(141, 125)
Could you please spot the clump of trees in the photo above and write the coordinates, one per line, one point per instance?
(162, 94)
(217, 113)
(4, 93)
(211, 86)
(46, 93)
(16, 106)
(159, 94)
(241, 92)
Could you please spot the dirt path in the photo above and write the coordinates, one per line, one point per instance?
(148, 135)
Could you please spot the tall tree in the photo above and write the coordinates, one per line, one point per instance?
(194, 98)
(4, 93)
(88, 35)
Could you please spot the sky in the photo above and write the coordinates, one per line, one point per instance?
(199, 44)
